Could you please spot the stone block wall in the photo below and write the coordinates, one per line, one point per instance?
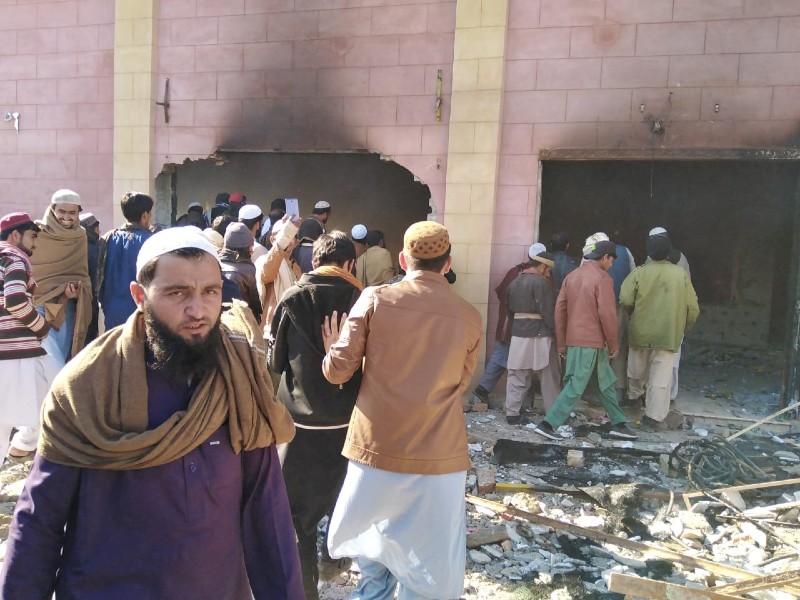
(56, 71)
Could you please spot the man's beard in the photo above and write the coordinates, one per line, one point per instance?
(178, 359)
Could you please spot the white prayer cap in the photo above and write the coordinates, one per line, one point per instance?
(65, 197)
(536, 249)
(592, 240)
(322, 205)
(657, 231)
(87, 219)
(358, 232)
(168, 240)
(250, 211)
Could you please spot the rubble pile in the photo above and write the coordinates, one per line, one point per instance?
(622, 498)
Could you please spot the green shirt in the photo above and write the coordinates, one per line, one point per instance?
(662, 303)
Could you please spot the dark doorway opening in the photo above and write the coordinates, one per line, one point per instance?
(361, 187)
(736, 222)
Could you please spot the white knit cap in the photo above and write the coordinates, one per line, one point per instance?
(592, 240)
(321, 205)
(657, 231)
(358, 232)
(536, 249)
(65, 197)
(250, 211)
(168, 240)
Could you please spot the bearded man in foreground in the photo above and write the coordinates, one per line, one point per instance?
(156, 474)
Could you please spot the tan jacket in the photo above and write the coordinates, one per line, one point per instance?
(419, 343)
(586, 311)
(375, 266)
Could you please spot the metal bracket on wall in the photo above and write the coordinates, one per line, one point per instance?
(438, 103)
(165, 103)
(9, 116)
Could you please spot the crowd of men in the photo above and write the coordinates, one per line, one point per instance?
(251, 381)
(617, 328)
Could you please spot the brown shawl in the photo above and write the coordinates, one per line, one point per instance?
(95, 415)
(60, 257)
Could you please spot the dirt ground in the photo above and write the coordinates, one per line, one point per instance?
(722, 391)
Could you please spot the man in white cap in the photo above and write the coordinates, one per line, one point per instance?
(359, 236)
(663, 306)
(157, 474)
(253, 218)
(530, 302)
(401, 508)
(676, 257)
(321, 214)
(61, 268)
(622, 267)
(374, 266)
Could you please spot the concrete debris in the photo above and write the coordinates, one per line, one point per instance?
(787, 456)
(479, 557)
(483, 536)
(486, 479)
(575, 458)
(716, 532)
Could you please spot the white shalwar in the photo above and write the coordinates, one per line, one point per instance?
(414, 525)
(26, 382)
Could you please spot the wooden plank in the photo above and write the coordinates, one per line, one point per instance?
(762, 421)
(760, 583)
(661, 590)
(742, 488)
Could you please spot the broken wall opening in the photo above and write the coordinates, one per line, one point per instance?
(734, 220)
(361, 187)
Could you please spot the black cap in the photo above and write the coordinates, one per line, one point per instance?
(600, 249)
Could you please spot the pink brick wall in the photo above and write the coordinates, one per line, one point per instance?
(577, 72)
(56, 70)
(307, 75)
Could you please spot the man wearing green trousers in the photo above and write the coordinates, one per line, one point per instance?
(586, 332)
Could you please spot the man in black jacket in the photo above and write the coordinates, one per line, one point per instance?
(313, 466)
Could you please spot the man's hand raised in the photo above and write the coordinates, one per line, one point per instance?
(331, 328)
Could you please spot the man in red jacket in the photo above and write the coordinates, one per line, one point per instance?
(586, 331)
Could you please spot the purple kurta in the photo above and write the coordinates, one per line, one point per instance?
(209, 525)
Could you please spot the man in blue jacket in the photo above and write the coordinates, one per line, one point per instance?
(116, 265)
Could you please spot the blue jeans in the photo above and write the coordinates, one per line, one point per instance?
(58, 343)
(496, 367)
(378, 583)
